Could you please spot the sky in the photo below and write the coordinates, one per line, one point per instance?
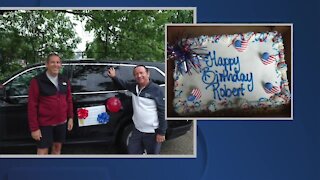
(84, 35)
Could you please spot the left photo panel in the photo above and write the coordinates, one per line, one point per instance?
(88, 83)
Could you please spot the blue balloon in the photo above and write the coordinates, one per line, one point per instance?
(265, 56)
(268, 85)
(237, 43)
(191, 98)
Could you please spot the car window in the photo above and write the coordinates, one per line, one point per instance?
(126, 73)
(156, 76)
(20, 85)
(89, 78)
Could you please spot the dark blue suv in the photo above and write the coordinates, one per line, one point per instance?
(90, 87)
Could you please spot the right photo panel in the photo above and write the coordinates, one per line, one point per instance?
(229, 71)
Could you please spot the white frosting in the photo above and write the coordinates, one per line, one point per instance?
(211, 77)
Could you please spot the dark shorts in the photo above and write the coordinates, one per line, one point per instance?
(51, 134)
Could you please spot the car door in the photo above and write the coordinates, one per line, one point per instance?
(14, 123)
(91, 88)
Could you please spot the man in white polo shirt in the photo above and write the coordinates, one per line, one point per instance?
(148, 111)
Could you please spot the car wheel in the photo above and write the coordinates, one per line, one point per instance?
(126, 134)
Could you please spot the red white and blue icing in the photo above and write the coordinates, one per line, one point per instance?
(245, 71)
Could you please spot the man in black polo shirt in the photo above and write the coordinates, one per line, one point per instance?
(50, 108)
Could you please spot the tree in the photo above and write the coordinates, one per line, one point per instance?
(119, 34)
(130, 34)
(31, 35)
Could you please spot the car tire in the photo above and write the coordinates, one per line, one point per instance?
(126, 134)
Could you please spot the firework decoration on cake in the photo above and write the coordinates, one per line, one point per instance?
(266, 58)
(185, 55)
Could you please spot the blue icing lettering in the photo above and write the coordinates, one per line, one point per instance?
(225, 62)
(209, 77)
(230, 73)
(227, 92)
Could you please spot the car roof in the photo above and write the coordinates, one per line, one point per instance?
(159, 65)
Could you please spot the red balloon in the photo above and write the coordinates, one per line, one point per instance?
(113, 104)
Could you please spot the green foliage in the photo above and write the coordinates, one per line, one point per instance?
(130, 34)
(7, 69)
(31, 35)
(118, 34)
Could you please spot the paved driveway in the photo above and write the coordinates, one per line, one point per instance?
(183, 145)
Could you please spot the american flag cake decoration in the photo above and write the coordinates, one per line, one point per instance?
(241, 45)
(195, 94)
(267, 59)
(270, 89)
